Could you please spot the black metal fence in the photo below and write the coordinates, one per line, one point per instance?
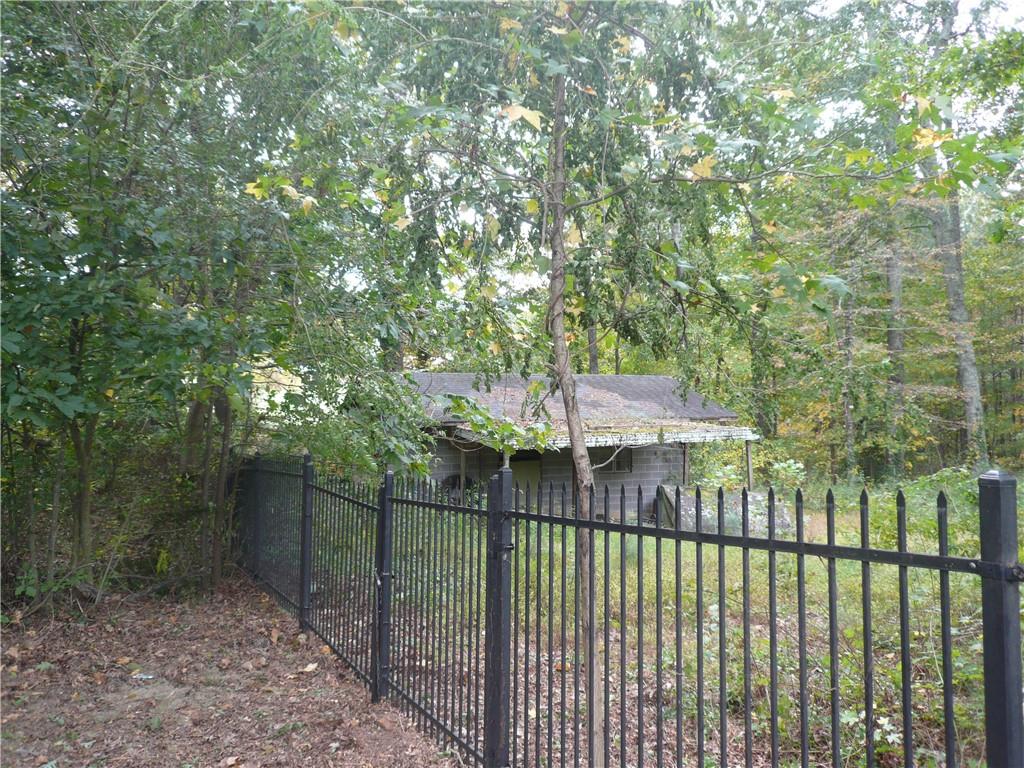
(520, 630)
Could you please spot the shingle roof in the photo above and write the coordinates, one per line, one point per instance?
(607, 402)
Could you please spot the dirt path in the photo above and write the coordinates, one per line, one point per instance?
(225, 681)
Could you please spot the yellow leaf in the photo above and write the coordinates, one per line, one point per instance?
(402, 223)
(574, 237)
(532, 206)
(516, 111)
(109, 393)
(575, 310)
(506, 25)
(489, 291)
(253, 188)
(589, 91)
(770, 226)
(781, 94)
(926, 137)
(558, 31)
(744, 187)
(307, 204)
(784, 180)
(494, 348)
(688, 151)
(703, 167)
(290, 191)
(923, 104)
(563, 10)
(623, 43)
(534, 80)
(493, 227)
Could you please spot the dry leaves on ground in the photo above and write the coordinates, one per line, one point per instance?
(221, 681)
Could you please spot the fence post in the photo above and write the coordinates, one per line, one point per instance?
(381, 645)
(306, 544)
(1000, 607)
(498, 620)
(256, 516)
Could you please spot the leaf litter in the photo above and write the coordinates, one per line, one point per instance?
(221, 681)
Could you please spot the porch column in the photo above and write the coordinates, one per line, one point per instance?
(462, 476)
(750, 466)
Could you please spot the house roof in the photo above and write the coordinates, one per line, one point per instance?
(616, 410)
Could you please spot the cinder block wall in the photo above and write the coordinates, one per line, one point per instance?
(652, 466)
(480, 464)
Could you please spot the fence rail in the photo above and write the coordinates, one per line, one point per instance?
(524, 630)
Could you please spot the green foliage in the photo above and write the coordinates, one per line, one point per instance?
(228, 227)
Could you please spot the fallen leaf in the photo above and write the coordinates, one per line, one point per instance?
(123, 661)
(311, 667)
(227, 761)
(274, 635)
(325, 649)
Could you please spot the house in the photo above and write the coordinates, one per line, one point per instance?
(638, 431)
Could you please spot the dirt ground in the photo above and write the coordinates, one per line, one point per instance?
(223, 681)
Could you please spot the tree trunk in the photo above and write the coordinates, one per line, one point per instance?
(894, 340)
(205, 548)
(949, 243)
(592, 350)
(847, 400)
(51, 543)
(82, 440)
(760, 371)
(222, 407)
(567, 385)
(950, 248)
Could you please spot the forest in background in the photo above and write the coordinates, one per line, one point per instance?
(227, 226)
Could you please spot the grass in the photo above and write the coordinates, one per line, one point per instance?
(439, 565)
(627, 568)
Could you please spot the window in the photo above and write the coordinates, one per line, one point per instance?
(623, 461)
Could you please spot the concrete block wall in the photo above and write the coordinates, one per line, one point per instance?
(652, 466)
(481, 463)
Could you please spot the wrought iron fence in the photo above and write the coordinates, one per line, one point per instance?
(521, 630)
